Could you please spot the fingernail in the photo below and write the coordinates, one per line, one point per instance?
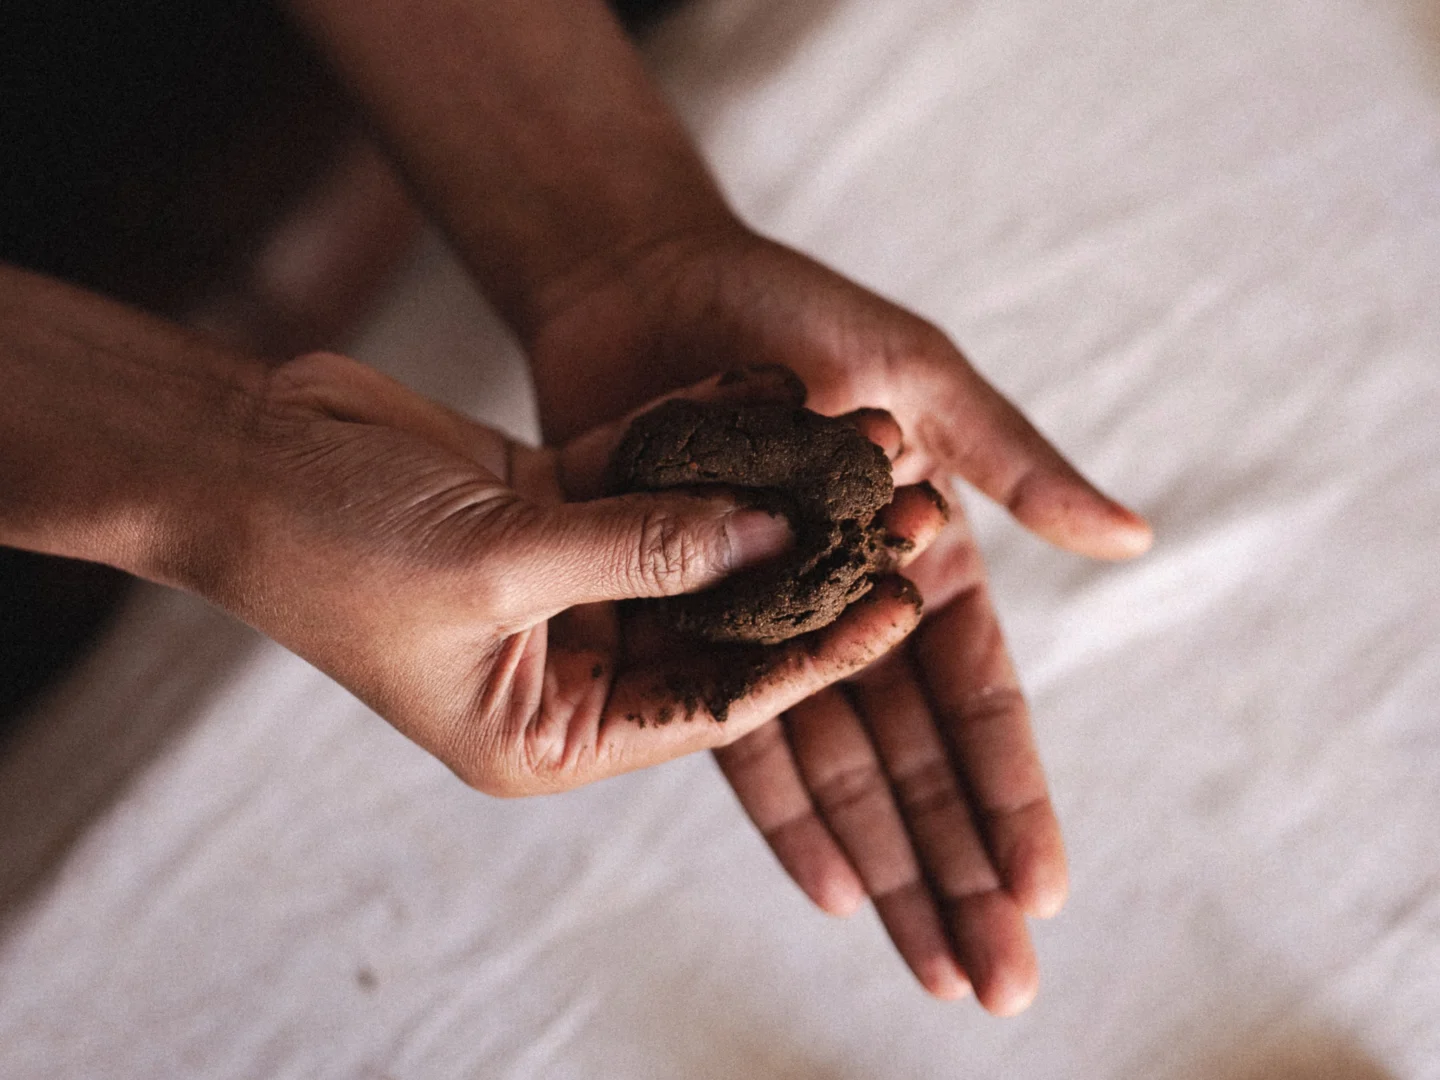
(756, 536)
(1135, 536)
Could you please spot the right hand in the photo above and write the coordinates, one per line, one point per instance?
(432, 568)
(427, 563)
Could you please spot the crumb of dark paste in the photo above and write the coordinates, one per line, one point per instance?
(825, 477)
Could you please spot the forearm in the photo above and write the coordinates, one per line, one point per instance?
(115, 430)
(530, 129)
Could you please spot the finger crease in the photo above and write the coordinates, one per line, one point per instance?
(1012, 493)
(1022, 807)
(927, 789)
(850, 788)
(747, 752)
(988, 704)
(951, 898)
(770, 832)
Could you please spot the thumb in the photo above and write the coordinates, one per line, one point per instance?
(637, 546)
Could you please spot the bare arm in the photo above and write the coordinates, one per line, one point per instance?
(531, 131)
(114, 428)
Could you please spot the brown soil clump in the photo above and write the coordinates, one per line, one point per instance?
(825, 477)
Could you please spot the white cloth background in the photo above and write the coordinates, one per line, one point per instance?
(1199, 242)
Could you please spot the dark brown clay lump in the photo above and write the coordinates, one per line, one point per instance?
(822, 474)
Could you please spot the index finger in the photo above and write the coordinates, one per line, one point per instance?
(657, 713)
(969, 428)
(970, 683)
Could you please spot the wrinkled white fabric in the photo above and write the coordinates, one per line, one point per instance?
(1199, 243)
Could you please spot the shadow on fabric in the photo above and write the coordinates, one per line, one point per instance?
(1301, 1055)
(729, 43)
(1424, 17)
(83, 743)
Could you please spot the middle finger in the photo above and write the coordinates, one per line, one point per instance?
(985, 923)
(844, 775)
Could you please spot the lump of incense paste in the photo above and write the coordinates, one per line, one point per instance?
(825, 477)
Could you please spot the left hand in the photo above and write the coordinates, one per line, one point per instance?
(919, 784)
(562, 178)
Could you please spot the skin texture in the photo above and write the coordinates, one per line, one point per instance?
(826, 478)
(597, 230)
(428, 564)
(436, 571)
(938, 811)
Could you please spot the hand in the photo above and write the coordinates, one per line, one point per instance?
(595, 228)
(664, 313)
(919, 783)
(432, 568)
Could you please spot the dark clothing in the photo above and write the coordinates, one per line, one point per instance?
(143, 142)
(144, 145)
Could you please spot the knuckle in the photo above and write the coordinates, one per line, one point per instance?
(493, 774)
(986, 704)
(542, 754)
(545, 751)
(928, 789)
(960, 887)
(514, 741)
(1024, 806)
(478, 750)
(671, 557)
(852, 788)
(497, 552)
(473, 774)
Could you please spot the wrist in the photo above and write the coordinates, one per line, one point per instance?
(631, 267)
